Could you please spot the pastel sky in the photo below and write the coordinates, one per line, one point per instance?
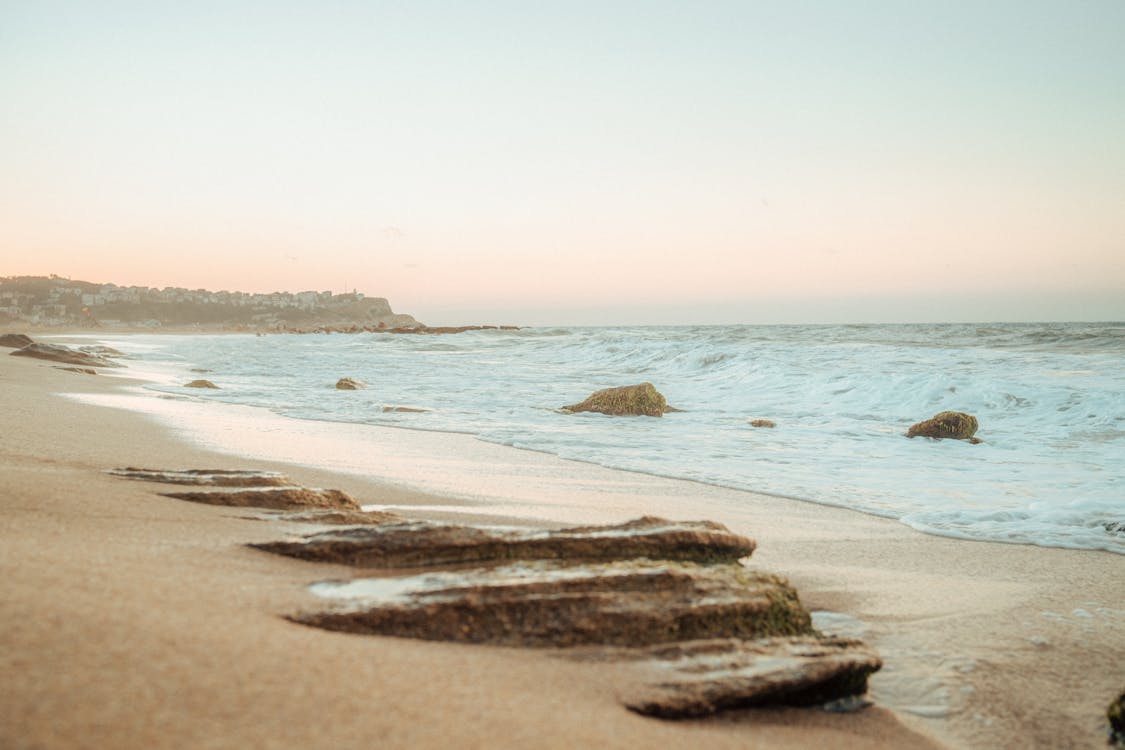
(578, 162)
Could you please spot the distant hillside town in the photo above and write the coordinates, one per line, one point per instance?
(55, 301)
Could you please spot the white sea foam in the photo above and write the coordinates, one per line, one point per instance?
(1050, 400)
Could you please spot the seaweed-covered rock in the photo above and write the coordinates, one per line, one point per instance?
(350, 384)
(947, 424)
(762, 423)
(626, 400)
(64, 354)
(1115, 715)
(15, 340)
(418, 544)
(277, 498)
(552, 604)
(200, 384)
(699, 678)
(206, 477)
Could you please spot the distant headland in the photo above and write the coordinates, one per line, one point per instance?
(58, 302)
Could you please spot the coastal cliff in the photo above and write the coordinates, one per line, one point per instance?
(53, 301)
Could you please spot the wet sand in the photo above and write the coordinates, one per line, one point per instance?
(130, 619)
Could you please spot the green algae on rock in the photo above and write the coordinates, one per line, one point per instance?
(955, 425)
(625, 400)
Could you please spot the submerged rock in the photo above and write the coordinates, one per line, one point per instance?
(762, 423)
(417, 544)
(348, 384)
(551, 604)
(405, 410)
(1115, 527)
(626, 400)
(15, 340)
(64, 354)
(948, 424)
(278, 498)
(200, 384)
(699, 678)
(206, 477)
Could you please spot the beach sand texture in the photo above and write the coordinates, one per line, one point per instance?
(128, 619)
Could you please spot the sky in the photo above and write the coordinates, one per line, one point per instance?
(578, 162)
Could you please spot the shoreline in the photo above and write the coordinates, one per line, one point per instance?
(914, 593)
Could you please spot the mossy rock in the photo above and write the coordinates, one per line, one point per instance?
(626, 400)
(955, 425)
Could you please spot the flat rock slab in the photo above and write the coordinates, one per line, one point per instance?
(277, 498)
(64, 354)
(15, 340)
(418, 544)
(206, 477)
(700, 678)
(342, 517)
(548, 604)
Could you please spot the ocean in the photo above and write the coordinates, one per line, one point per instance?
(1050, 399)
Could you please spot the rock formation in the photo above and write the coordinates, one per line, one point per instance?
(200, 384)
(348, 384)
(1115, 715)
(206, 477)
(64, 354)
(630, 603)
(762, 423)
(342, 517)
(948, 424)
(624, 400)
(278, 498)
(699, 678)
(697, 631)
(421, 543)
(15, 340)
(101, 351)
(82, 370)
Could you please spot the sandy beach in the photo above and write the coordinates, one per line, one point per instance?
(135, 620)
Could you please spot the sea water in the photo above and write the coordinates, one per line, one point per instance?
(1050, 399)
